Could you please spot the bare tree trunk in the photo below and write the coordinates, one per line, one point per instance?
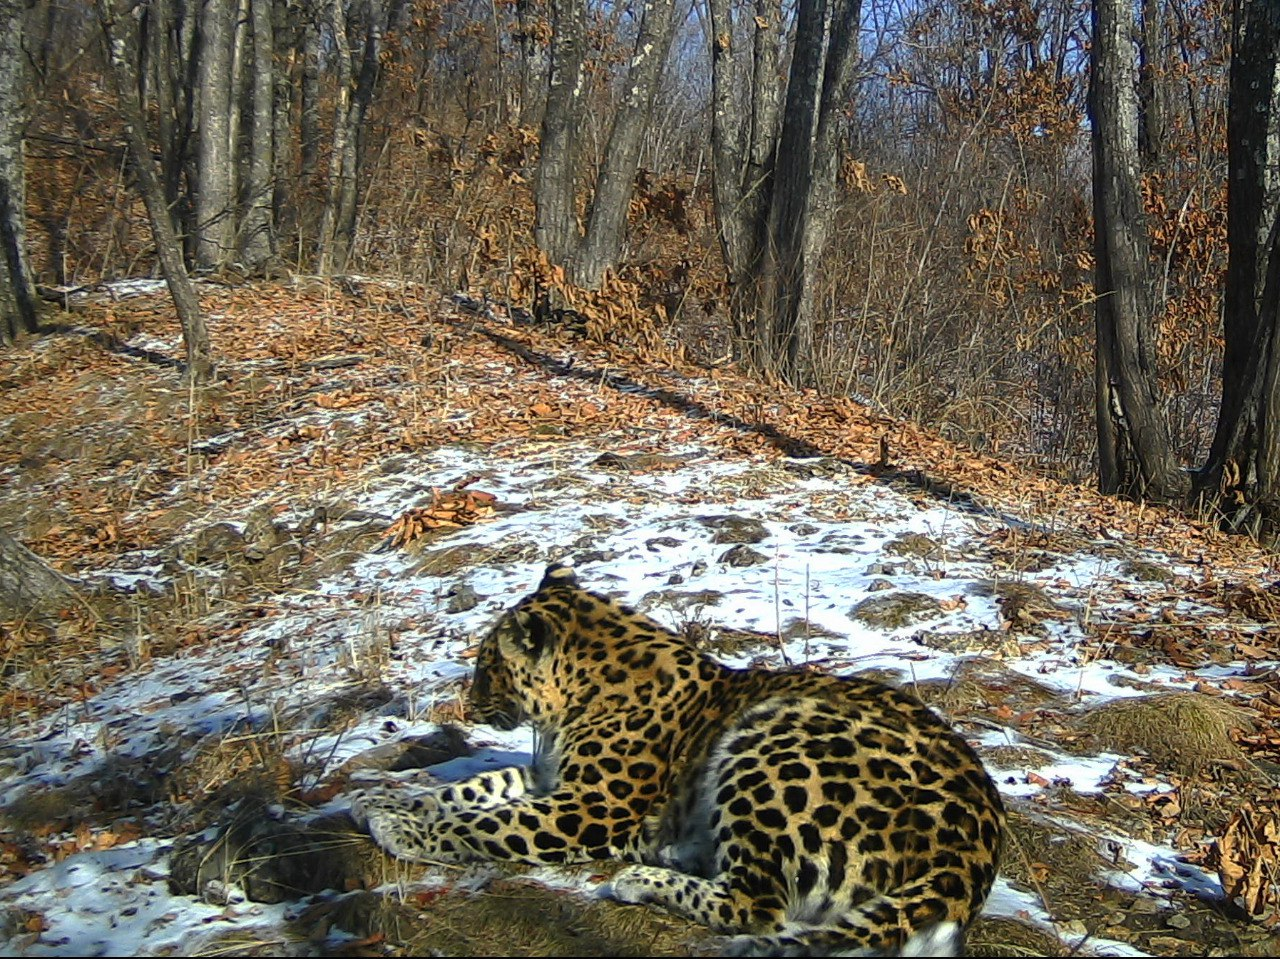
(257, 233)
(774, 186)
(214, 197)
(377, 16)
(1135, 457)
(556, 218)
(1243, 471)
(607, 222)
(286, 39)
(739, 194)
(168, 81)
(533, 63)
(344, 225)
(804, 179)
(122, 46)
(28, 585)
(309, 110)
(331, 252)
(1151, 89)
(184, 213)
(18, 313)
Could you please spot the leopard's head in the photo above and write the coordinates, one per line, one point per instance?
(514, 679)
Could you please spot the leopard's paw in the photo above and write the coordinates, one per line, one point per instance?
(637, 884)
(400, 824)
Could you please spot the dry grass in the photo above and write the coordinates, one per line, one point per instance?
(510, 918)
(1011, 938)
(1188, 732)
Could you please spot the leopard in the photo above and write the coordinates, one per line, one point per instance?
(797, 812)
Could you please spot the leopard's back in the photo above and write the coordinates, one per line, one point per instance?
(848, 812)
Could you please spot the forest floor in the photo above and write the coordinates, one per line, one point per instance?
(285, 575)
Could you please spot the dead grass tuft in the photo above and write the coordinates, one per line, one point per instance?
(511, 918)
(1188, 732)
(1011, 938)
(239, 765)
(1049, 857)
(277, 860)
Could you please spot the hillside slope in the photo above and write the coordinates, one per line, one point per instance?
(286, 575)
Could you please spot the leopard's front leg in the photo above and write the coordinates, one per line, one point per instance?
(494, 816)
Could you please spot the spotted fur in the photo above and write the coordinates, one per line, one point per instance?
(811, 812)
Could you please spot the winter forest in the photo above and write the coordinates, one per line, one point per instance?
(932, 341)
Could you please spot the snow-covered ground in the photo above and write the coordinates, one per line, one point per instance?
(655, 539)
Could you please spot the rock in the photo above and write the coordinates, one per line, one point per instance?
(462, 598)
(679, 600)
(735, 529)
(879, 586)
(1147, 572)
(30, 584)
(214, 543)
(447, 560)
(968, 641)
(410, 752)
(980, 681)
(742, 555)
(738, 642)
(658, 542)
(638, 462)
(818, 467)
(912, 544)
(1015, 757)
(896, 610)
(800, 628)
(274, 860)
(1023, 604)
(595, 556)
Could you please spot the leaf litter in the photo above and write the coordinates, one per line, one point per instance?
(291, 569)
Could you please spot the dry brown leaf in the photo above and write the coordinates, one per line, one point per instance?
(1248, 859)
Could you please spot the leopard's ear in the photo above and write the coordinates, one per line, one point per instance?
(525, 634)
(558, 574)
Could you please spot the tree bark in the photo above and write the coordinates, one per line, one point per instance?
(28, 585)
(332, 250)
(213, 203)
(18, 312)
(607, 222)
(351, 110)
(1135, 457)
(169, 83)
(287, 40)
(774, 185)
(533, 62)
(556, 215)
(1243, 471)
(1151, 89)
(122, 47)
(257, 228)
(309, 108)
